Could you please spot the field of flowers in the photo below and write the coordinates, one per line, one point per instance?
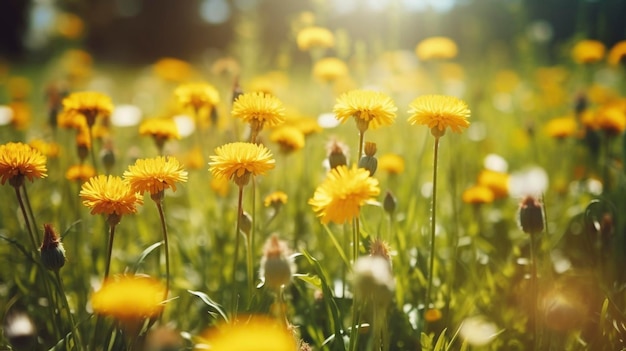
(367, 197)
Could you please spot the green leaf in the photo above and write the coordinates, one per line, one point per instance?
(329, 298)
(441, 341)
(209, 302)
(337, 245)
(313, 280)
(145, 254)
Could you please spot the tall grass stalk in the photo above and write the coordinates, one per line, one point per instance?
(433, 222)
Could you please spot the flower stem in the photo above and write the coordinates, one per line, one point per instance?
(31, 235)
(534, 291)
(78, 343)
(107, 267)
(91, 149)
(29, 207)
(26, 218)
(166, 247)
(250, 253)
(236, 255)
(433, 221)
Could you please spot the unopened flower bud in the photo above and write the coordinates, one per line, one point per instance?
(389, 203)
(337, 154)
(373, 280)
(370, 148)
(370, 163)
(245, 223)
(531, 215)
(276, 266)
(107, 155)
(52, 251)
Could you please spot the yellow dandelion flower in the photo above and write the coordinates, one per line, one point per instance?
(432, 315)
(197, 96)
(498, 182)
(237, 161)
(306, 125)
(288, 138)
(340, 197)
(369, 108)
(21, 115)
(506, 81)
(88, 105)
(439, 112)
(129, 298)
(617, 53)
(315, 37)
(80, 173)
(155, 174)
(436, 48)
(160, 129)
(329, 69)
(275, 198)
(258, 333)
(82, 138)
(194, 159)
(109, 195)
(391, 163)
(478, 194)
(588, 51)
(47, 149)
(561, 128)
(611, 119)
(69, 25)
(19, 88)
(260, 109)
(19, 161)
(172, 69)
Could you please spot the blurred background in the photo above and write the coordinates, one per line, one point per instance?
(142, 31)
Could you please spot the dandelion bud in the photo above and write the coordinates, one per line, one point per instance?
(82, 151)
(276, 267)
(373, 280)
(52, 251)
(245, 223)
(108, 158)
(337, 154)
(370, 163)
(389, 203)
(580, 105)
(370, 148)
(380, 248)
(531, 215)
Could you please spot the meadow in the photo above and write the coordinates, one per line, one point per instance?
(362, 198)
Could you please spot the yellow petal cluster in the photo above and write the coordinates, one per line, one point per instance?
(129, 298)
(21, 160)
(436, 48)
(259, 107)
(155, 174)
(340, 197)
(369, 108)
(439, 112)
(237, 159)
(110, 195)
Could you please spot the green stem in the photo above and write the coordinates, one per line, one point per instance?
(354, 331)
(250, 253)
(91, 149)
(29, 207)
(236, 255)
(107, 267)
(534, 291)
(75, 331)
(26, 218)
(433, 221)
(31, 235)
(166, 247)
